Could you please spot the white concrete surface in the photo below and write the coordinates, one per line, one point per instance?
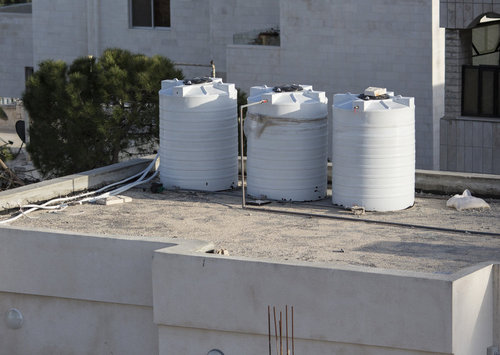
(473, 312)
(76, 266)
(356, 310)
(59, 326)
(78, 294)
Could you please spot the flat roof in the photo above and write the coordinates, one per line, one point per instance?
(428, 237)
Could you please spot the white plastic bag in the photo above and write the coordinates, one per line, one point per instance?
(466, 201)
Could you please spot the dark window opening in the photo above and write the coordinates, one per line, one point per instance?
(150, 13)
(481, 90)
(28, 72)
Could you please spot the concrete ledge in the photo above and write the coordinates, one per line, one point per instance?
(448, 182)
(109, 269)
(66, 185)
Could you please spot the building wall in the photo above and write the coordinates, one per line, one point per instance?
(59, 30)
(345, 47)
(199, 30)
(467, 144)
(16, 44)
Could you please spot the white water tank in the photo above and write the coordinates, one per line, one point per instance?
(373, 153)
(198, 134)
(287, 143)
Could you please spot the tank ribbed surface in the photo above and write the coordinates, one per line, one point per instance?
(198, 135)
(373, 152)
(287, 144)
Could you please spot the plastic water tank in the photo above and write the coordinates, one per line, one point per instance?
(373, 152)
(287, 143)
(198, 134)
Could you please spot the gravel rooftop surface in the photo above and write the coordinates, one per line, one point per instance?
(428, 237)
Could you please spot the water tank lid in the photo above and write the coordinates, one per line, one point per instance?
(374, 93)
(197, 80)
(288, 88)
(369, 97)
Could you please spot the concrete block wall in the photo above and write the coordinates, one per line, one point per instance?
(345, 47)
(16, 43)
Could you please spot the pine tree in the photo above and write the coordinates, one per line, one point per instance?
(85, 115)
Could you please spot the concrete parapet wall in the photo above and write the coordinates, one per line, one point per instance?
(84, 294)
(349, 305)
(356, 310)
(70, 184)
(453, 182)
(55, 325)
(473, 311)
(79, 294)
(105, 269)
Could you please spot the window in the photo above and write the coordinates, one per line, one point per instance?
(481, 90)
(150, 13)
(486, 43)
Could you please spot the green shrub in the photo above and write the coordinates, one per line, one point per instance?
(85, 115)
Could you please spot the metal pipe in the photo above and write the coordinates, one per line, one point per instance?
(293, 344)
(243, 201)
(269, 327)
(286, 326)
(372, 221)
